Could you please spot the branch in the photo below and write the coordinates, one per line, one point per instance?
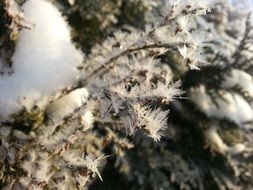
(243, 43)
(110, 63)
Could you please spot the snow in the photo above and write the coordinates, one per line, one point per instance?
(217, 144)
(215, 141)
(66, 104)
(240, 78)
(234, 107)
(44, 62)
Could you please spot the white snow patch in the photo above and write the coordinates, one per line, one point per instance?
(44, 62)
(66, 104)
(234, 107)
(215, 141)
(240, 78)
(217, 144)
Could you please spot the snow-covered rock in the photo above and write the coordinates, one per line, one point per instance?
(44, 62)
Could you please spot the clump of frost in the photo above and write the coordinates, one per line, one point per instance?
(44, 62)
(154, 121)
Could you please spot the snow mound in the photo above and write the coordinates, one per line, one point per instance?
(44, 62)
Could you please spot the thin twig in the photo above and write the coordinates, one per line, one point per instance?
(109, 64)
(243, 43)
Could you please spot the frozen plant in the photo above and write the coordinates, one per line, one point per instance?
(208, 144)
(123, 80)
